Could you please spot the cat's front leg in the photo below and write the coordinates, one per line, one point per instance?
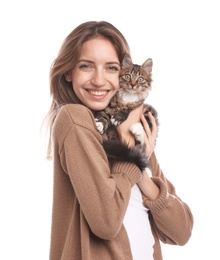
(138, 131)
(100, 126)
(102, 121)
(119, 117)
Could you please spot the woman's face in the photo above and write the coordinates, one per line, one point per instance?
(95, 78)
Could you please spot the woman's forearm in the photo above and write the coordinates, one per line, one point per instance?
(148, 187)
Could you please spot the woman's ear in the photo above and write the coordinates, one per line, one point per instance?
(68, 76)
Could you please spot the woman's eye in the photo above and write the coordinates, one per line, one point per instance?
(114, 68)
(84, 66)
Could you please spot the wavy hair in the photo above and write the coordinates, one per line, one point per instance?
(61, 91)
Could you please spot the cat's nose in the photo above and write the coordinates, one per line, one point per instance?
(134, 87)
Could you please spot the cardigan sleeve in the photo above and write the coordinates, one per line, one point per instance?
(102, 192)
(171, 218)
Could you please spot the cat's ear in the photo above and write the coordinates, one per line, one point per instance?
(147, 65)
(68, 76)
(127, 61)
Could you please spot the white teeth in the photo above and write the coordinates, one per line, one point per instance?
(98, 93)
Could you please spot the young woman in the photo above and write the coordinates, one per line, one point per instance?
(101, 209)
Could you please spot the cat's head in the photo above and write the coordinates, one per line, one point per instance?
(135, 79)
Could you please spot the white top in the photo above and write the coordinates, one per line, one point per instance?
(138, 228)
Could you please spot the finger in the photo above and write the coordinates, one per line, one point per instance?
(154, 124)
(145, 125)
(151, 135)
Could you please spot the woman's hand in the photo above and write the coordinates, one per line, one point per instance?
(127, 137)
(123, 129)
(150, 136)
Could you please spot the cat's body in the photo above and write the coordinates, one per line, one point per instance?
(135, 85)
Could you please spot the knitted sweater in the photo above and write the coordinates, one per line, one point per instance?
(90, 197)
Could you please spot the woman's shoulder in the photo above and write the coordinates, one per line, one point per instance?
(74, 114)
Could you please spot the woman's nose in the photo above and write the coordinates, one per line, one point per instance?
(98, 78)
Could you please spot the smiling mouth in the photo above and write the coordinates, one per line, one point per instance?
(98, 93)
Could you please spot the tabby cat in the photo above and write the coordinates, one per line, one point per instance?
(134, 87)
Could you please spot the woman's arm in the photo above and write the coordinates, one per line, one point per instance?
(171, 217)
(102, 192)
(147, 186)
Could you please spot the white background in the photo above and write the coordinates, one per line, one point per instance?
(182, 38)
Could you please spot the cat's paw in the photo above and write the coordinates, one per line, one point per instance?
(138, 131)
(100, 126)
(114, 121)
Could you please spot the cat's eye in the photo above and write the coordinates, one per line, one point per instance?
(141, 80)
(127, 77)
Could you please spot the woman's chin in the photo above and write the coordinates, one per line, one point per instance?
(97, 106)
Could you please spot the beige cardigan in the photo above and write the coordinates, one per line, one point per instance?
(90, 198)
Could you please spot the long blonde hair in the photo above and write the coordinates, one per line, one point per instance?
(61, 91)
